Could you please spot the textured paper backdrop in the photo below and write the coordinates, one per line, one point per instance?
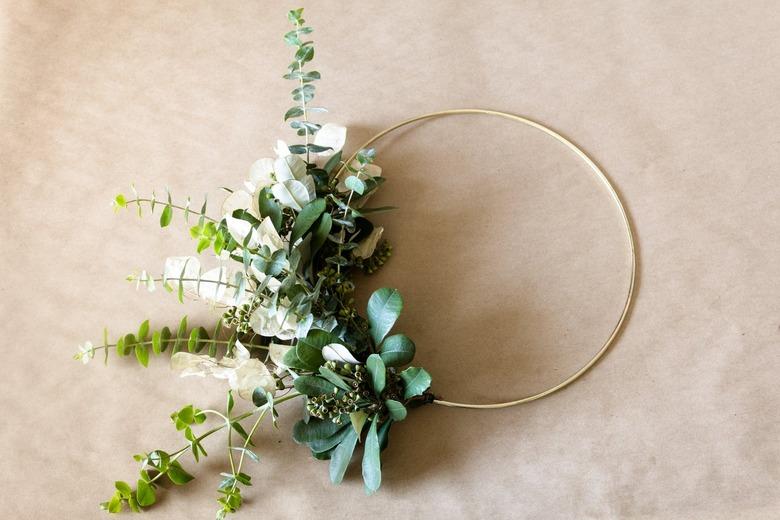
(508, 254)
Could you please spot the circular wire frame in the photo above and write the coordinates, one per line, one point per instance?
(615, 197)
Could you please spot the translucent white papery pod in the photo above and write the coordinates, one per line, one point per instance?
(290, 167)
(261, 175)
(239, 199)
(293, 193)
(277, 323)
(184, 268)
(332, 136)
(241, 229)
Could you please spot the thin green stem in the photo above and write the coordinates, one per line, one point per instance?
(246, 443)
(176, 455)
(215, 341)
(182, 208)
(303, 97)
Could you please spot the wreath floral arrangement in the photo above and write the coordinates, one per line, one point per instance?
(285, 251)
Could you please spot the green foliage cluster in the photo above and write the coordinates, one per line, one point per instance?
(346, 401)
(290, 327)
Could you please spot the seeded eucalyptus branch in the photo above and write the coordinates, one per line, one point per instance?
(280, 263)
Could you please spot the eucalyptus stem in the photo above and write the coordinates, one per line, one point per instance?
(301, 83)
(246, 443)
(182, 208)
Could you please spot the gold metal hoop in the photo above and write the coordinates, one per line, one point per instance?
(615, 197)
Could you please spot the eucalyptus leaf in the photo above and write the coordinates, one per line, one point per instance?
(177, 474)
(144, 494)
(293, 112)
(355, 184)
(166, 216)
(142, 354)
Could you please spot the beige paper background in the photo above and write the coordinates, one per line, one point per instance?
(508, 254)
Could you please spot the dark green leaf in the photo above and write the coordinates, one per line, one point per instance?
(304, 93)
(165, 338)
(397, 350)
(334, 160)
(306, 218)
(268, 207)
(299, 149)
(384, 307)
(384, 434)
(313, 385)
(259, 396)
(292, 360)
(305, 54)
(320, 233)
(309, 349)
(293, 112)
(372, 469)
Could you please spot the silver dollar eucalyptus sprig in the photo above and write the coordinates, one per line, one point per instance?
(278, 263)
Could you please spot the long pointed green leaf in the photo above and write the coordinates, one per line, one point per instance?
(376, 368)
(339, 459)
(372, 465)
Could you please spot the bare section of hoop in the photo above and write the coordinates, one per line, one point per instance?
(616, 199)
